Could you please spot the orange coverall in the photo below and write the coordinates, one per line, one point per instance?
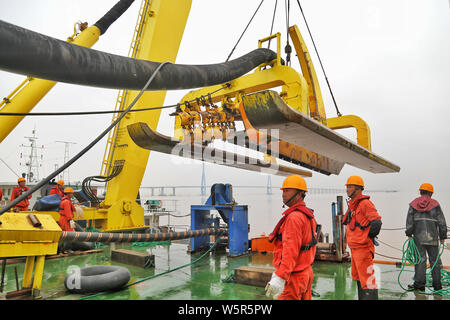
(362, 211)
(17, 192)
(56, 190)
(66, 210)
(291, 263)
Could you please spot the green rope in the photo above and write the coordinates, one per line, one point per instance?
(157, 275)
(149, 244)
(412, 256)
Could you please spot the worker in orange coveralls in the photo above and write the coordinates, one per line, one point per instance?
(66, 210)
(295, 245)
(58, 189)
(17, 192)
(363, 225)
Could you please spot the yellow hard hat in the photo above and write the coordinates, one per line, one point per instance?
(355, 180)
(427, 187)
(60, 182)
(20, 179)
(294, 182)
(68, 190)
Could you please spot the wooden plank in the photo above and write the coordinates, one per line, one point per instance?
(135, 258)
(55, 256)
(18, 294)
(253, 276)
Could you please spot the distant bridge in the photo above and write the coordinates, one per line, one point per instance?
(171, 190)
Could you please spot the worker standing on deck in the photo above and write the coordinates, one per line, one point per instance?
(295, 242)
(58, 189)
(17, 192)
(426, 223)
(66, 210)
(363, 225)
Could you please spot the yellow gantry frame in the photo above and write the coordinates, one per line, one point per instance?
(163, 25)
(301, 92)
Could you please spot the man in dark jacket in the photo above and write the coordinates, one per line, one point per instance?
(426, 223)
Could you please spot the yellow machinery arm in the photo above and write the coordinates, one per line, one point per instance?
(160, 31)
(297, 112)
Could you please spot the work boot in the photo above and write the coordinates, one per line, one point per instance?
(369, 294)
(359, 290)
(437, 287)
(414, 287)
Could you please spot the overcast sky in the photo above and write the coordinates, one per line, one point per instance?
(387, 62)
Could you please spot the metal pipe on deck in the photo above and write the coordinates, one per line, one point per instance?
(137, 237)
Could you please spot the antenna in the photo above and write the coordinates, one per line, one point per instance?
(33, 163)
(66, 158)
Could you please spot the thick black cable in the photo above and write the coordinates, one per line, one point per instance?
(112, 15)
(86, 149)
(320, 61)
(36, 55)
(244, 30)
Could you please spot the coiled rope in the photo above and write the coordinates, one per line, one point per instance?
(411, 255)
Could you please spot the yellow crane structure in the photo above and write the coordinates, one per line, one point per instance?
(306, 137)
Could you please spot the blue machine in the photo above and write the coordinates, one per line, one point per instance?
(235, 216)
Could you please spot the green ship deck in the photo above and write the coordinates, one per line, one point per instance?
(208, 279)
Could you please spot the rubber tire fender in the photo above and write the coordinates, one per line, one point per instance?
(97, 279)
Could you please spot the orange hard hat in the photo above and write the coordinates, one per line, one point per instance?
(355, 180)
(20, 179)
(294, 182)
(427, 187)
(68, 190)
(60, 182)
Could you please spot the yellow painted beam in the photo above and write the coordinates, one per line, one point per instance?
(352, 121)
(162, 29)
(316, 106)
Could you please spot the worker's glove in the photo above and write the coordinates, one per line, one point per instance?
(275, 286)
(72, 224)
(375, 227)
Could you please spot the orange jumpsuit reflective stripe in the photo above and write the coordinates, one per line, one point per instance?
(288, 258)
(361, 246)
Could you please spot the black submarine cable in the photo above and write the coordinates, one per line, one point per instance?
(33, 54)
(112, 15)
(137, 237)
(86, 149)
